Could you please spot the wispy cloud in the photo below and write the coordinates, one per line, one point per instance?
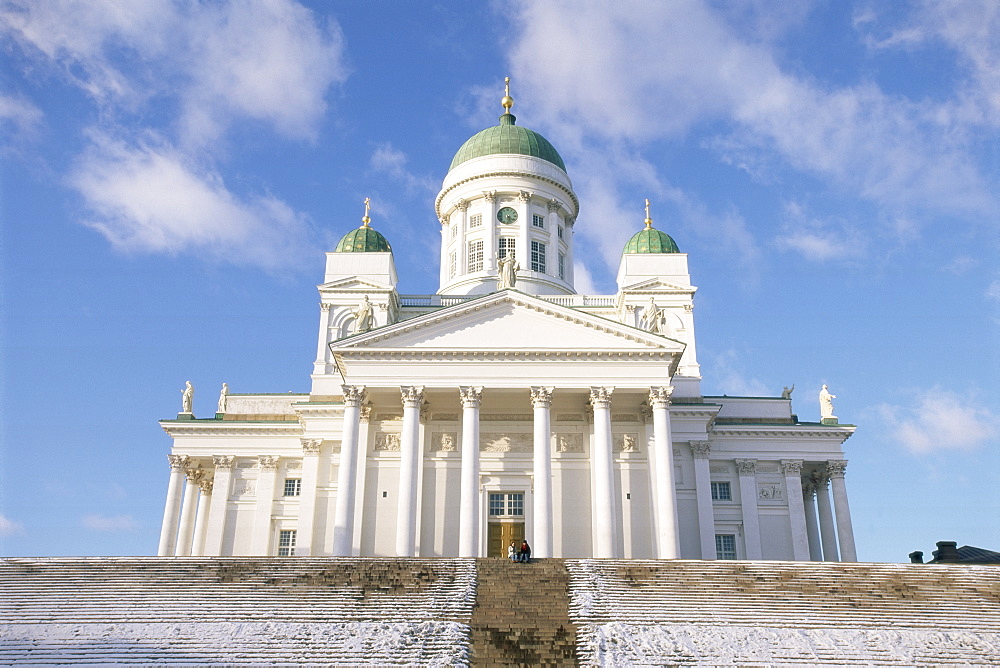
(818, 240)
(9, 527)
(727, 370)
(115, 524)
(389, 160)
(939, 420)
(19, 119)
(202, 67)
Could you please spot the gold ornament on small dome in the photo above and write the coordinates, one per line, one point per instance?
(507, 102)
(366, 219)
(648, 221)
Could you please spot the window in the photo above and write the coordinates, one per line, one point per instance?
(722, 491)
(538, 256)
(562, 265)
(286, 543)
(475, 220)
(506, 504)
(454, 230)
(559, 232)
(452, 264)
(475, 256)
(293, 486)
(537, 221)
(506, 247)
(725, 546)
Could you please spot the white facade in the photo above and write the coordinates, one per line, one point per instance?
(473, 416)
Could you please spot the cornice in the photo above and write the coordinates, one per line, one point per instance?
(406, 354)
(230, 428)
(505, 173)
(838, 433)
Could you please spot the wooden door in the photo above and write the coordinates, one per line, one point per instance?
(500, 535)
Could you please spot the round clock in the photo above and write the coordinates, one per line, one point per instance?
(507, 215)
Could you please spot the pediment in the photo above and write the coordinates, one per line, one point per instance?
(658, 285)
(354, 284)
(509, 321)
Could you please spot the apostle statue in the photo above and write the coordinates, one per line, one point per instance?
(652, 318)
(787, 392)
(223, 398)
(363, 317)
(187, 398)
(826, 403)
(508, 272)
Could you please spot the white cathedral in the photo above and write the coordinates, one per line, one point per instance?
(506, 407)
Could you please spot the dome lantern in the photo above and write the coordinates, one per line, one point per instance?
(650, 240)
(365, 239)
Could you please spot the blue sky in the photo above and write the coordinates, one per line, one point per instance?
(174, 171)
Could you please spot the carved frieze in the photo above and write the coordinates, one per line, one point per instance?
(569, 442)
(718, 468)
(387, 442)
(624, 417)
(445, 417)
(507, 417)
(446, 441)
(626, 443)
(505, 442)
(770, 491)
(569, 417)
(243, 487)
(768, 467)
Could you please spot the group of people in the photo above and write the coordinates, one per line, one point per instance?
(515, 553)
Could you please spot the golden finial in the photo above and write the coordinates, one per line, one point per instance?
(507, 102)
(368, 206)
(649, 221)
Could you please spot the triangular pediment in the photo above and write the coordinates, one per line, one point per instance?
(658, 285)
(509, 321)
(353, 284)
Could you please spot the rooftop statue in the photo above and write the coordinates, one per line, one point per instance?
(187, 397)
(508, 272)
(223, 398)
(363, 316)
(787, 392)
(826, 403)
(652, 318)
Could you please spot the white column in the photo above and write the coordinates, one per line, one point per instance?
(185, 534)
(268, 465)
(462, 256)
(541, 400)
(172, 511)
(667, 540)
(322, 349)
(201, 521)
(220, 502)
(409, 461)
(347, 477)
(552, 221)
(812, 526)
(703, 495)
(523, 227)
(828, 534)
(490, 232)
(305, 529)
(845, 531)
(748, 501)
(468, 524)
(792, 468)
(602, 472)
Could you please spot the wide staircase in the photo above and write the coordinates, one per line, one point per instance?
(521, 616)
(380, 611)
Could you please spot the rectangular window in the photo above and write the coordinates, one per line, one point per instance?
(475, 256)
(538, 256)
(725, 546)
(537, 221)
(506, 247)
(475, 220)
(562, 265)
(506, 504)
(560, 232)
(722, 491)
(454, 230)
(293, 486)
(452, 264)
(286, 543)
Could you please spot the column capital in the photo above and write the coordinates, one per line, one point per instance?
(412, 395)
(223, 462)
(366, 412)
(194, 474)
(471, 396)
(179, 462)
(746, 467)
(809, 487)
(462, 205)
(836, 468)
(659, 397)
(541, 397)
(268, 462)
(523, 196)
(700, 449)
(490, 195)
(553, 205)
(791, 467)
(206, 486)
(310, 446)
(600, 397)
(820, 480)
(325, 306)
(353, 394)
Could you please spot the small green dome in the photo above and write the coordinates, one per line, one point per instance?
(363, 240)
(508, 138)
(651, 240)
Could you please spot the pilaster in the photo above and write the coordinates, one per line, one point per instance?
(409, 462)
(701, 450)
(343, 523)
(792, 469)
(268, 465)
(668, 542)
(747, 469)
(541, 401)
(605, 509)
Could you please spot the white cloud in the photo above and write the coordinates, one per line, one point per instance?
(19, 117)
(153, 198)
(114, 524)
(993, 291)
(940, 420)
(389, 160)
(818, 240)
(9, 527)
(731, 380)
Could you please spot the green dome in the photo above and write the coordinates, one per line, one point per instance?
(508, 138)
(650, 240)
(363, 240)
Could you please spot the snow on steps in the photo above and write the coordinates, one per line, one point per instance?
(236, 611)
(772, 613)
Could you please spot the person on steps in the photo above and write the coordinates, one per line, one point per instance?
(512, 551)
(525, 554)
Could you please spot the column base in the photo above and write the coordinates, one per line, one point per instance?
(186, 416)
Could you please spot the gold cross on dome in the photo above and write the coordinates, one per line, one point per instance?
(368, 203)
